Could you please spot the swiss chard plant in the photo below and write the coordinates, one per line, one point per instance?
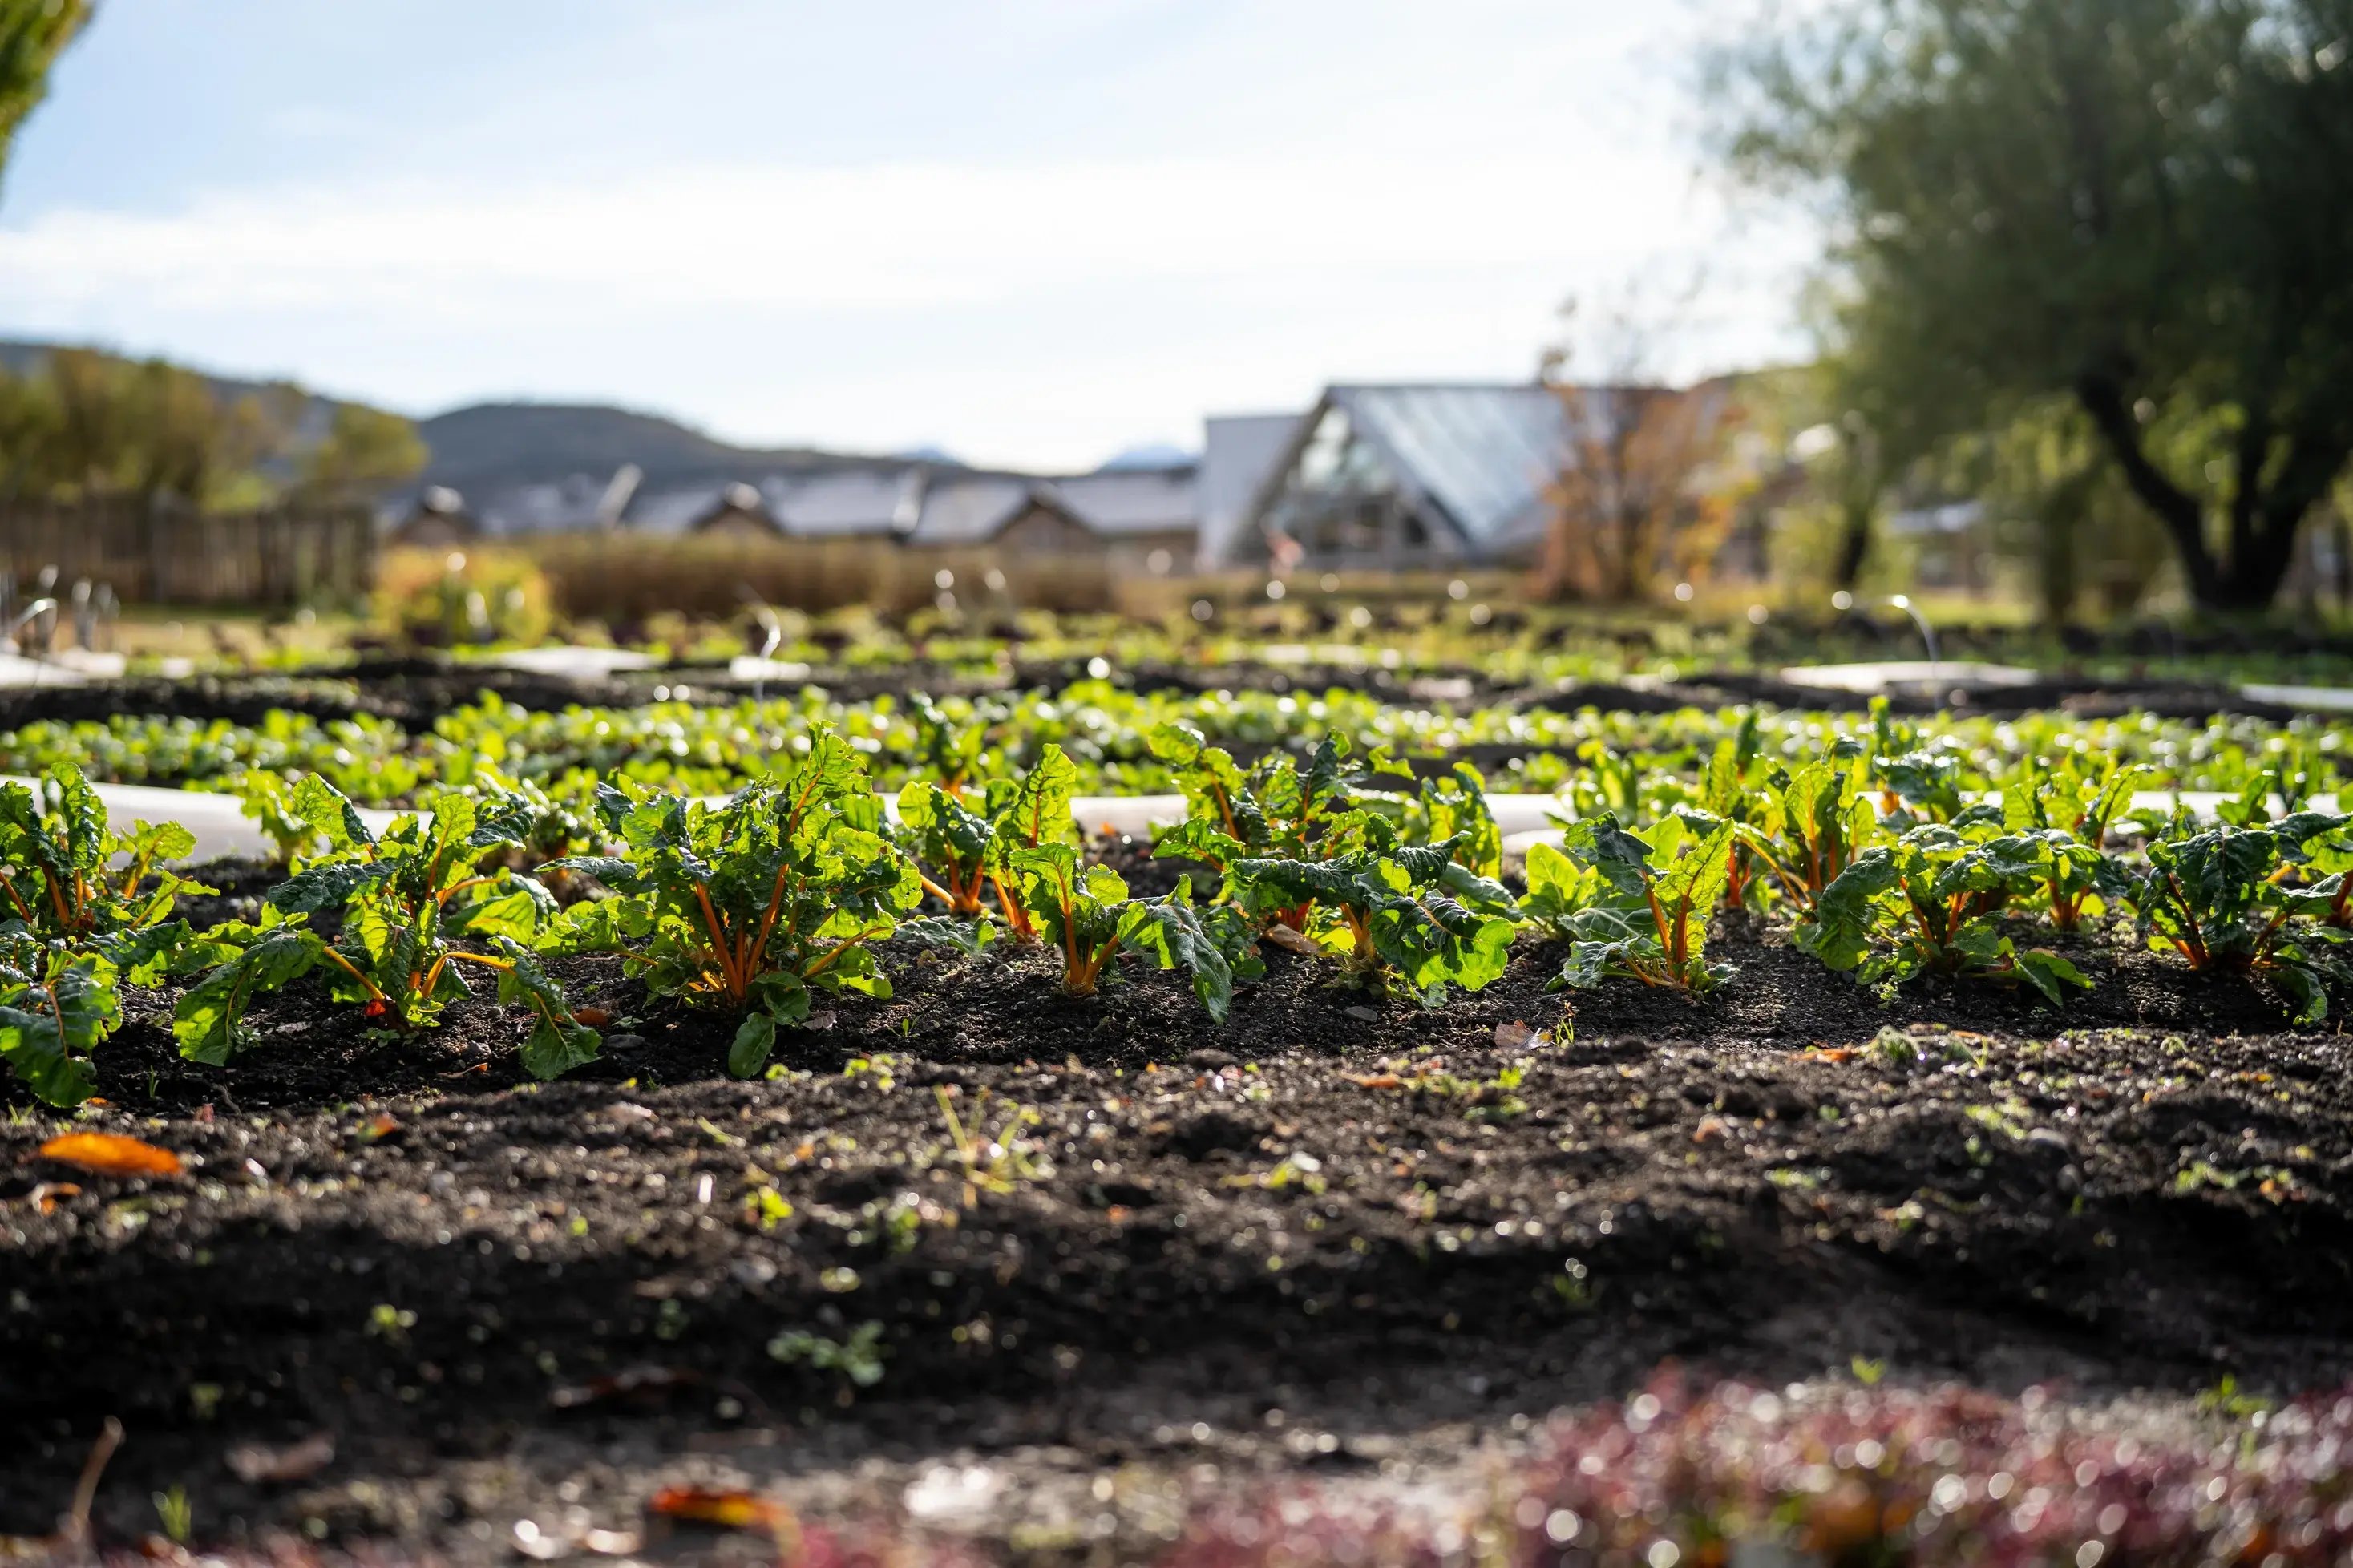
(1728, 794)
(754, 907)
(950, 754)
(2083, 803)
(1274, 810)
(950, 843)
(1609, 781)
(1453, 808)
(66, 876)
(1408, 915)
(1086, 913)
(266, 799)
(1931, 902)
(1923, 785)
(56, 1005)
(1813, 821)
(1634, 905)
(393, 906)
(1024, 816)
(2222, 898)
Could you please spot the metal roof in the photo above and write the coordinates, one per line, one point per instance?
(850, 502)
(1239, 455)
(1131, 500)
(669, 511)
(1484, 454)
(969, 512)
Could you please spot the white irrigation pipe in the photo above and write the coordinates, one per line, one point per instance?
(221, 828)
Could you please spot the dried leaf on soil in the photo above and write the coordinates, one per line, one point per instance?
(727, 1509)
(110, 1155)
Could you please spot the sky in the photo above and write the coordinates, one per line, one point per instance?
(1029, 232)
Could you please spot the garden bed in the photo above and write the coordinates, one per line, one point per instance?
(1362, 1221)
(429, 1272)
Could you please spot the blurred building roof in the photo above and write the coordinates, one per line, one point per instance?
(1123, 502)
(850, 502)
(970, 511)
(1239, 453)
(1485, 455)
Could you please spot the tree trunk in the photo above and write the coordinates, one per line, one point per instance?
(1854, 545)
(2104, 400)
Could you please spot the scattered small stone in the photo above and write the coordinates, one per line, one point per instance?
(257, 1464)
(1370, 1014)
(624, 1042)
(1206, 1058)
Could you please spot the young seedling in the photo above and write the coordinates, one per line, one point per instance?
(996, 1163)
(753, 906)
(1928, 904)
(1633, 905)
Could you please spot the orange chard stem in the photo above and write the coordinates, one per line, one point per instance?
(719, 942)
(769, 921)
(14, 898)
(357, 974)
(444, 896)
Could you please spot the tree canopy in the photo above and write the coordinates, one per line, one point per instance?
(2144, 206)
(32, 35)
(86, 424)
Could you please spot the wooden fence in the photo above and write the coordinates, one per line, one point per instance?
(623, 576)
(166, 554)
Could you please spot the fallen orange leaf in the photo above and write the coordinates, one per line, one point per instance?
(1374, 1080)
(108, 1154)
(595, 1017)
(729, 1510)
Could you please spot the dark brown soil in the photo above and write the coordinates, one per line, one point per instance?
(1357, 1217)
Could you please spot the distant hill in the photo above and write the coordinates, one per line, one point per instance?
(1152, 455)
(490, 446)
(523, 465)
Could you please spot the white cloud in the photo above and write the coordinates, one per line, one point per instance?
(895, 237)
(1041, 313)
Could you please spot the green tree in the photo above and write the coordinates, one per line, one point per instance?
(2060, 506)
(32, 35)
(2143, 205)
(97, 424)
(28, 420)
(364, 450)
